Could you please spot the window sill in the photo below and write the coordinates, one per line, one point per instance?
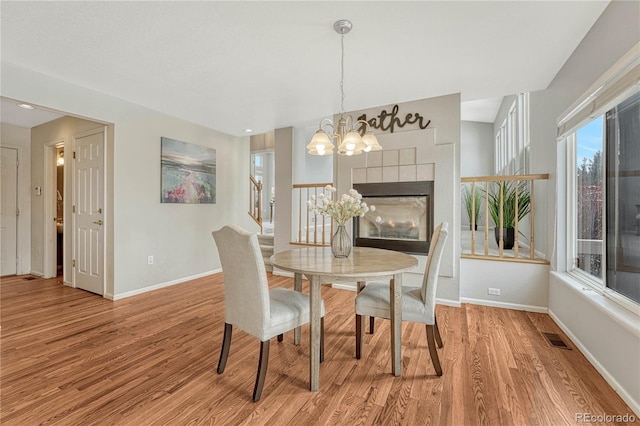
(630, 320)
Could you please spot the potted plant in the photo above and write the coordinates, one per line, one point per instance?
(507, 191)
(472, 201)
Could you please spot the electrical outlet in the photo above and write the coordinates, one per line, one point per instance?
(150, 260)
(494, 291)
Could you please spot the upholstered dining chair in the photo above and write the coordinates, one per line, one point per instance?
(418, 303)
(250, 305)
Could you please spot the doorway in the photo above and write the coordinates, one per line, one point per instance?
(59, 210)
(53, 192)
(263, 170)
(74, 206)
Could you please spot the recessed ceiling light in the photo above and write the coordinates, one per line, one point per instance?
(248, 130)
(25, 106)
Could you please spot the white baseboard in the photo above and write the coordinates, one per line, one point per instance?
(158, 286)
(505, 305)
(37, 273)
(448, 302)
(633, 404)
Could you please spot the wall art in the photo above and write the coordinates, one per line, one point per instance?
(188, 173)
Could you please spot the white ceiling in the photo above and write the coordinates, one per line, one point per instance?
(12, 114)
(265, 65)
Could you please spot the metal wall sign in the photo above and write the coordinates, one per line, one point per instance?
(388, 121)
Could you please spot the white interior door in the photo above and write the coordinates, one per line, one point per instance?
(8, 211)
(89, 211)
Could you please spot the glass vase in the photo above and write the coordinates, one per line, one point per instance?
(341, 242)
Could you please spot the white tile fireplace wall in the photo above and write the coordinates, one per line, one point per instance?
(412, 154)
(394, 165)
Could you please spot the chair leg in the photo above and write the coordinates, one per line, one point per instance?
(226, 343)
(438, 337)
(262, 370)
(359, 335)
(433, 351)
(321, 339)
(280, 337)
(372, 321)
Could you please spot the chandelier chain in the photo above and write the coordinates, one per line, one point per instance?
(342, 74)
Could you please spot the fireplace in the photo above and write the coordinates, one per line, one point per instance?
(403, 219)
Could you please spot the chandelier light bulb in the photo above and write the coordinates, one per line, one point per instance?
(351, 143)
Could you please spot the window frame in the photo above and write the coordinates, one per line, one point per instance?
(616, 85)
(512, 140)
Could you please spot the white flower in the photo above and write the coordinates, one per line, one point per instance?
(373, 209)
(341, 210)
(378, 219)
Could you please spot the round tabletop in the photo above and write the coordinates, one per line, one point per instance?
(362, 262)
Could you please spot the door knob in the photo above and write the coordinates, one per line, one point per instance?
(99, 222)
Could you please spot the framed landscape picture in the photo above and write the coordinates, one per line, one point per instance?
(188, 173)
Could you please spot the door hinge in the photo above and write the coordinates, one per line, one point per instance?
(74, 155)
(73, 263)
(74, 209)
(17, 212)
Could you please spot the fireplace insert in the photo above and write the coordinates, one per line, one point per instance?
(403, 219)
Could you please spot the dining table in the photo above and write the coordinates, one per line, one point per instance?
(320, 266)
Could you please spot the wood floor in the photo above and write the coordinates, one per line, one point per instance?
(73, 358)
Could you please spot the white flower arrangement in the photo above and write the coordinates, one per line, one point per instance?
(341, 210)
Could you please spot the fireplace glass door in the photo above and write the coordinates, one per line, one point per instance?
(403, 216)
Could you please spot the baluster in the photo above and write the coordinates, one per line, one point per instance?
(473, 218)
(515, 228)
(532, 239)
(486, 218)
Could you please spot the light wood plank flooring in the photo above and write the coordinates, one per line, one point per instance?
(73, 358)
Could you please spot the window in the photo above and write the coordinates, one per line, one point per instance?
(604, 199)
(623, 198)
(512, 139)
(588, 198)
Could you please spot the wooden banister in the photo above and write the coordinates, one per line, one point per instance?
(312, 229)
(513, 199)
(255, 201)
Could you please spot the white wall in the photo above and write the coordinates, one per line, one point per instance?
(18, 137)
(529, 290)
(610, 343)
(476, 149)
(594, 325)
(284, 181)
(178, 236)
(309, 168)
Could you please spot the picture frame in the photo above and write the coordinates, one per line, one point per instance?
(188, 173)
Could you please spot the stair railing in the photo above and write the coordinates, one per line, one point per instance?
(309, 228)
(255, 201)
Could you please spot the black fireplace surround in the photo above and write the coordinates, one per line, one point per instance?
(405, 216)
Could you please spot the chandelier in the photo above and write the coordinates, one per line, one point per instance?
(347, 138)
